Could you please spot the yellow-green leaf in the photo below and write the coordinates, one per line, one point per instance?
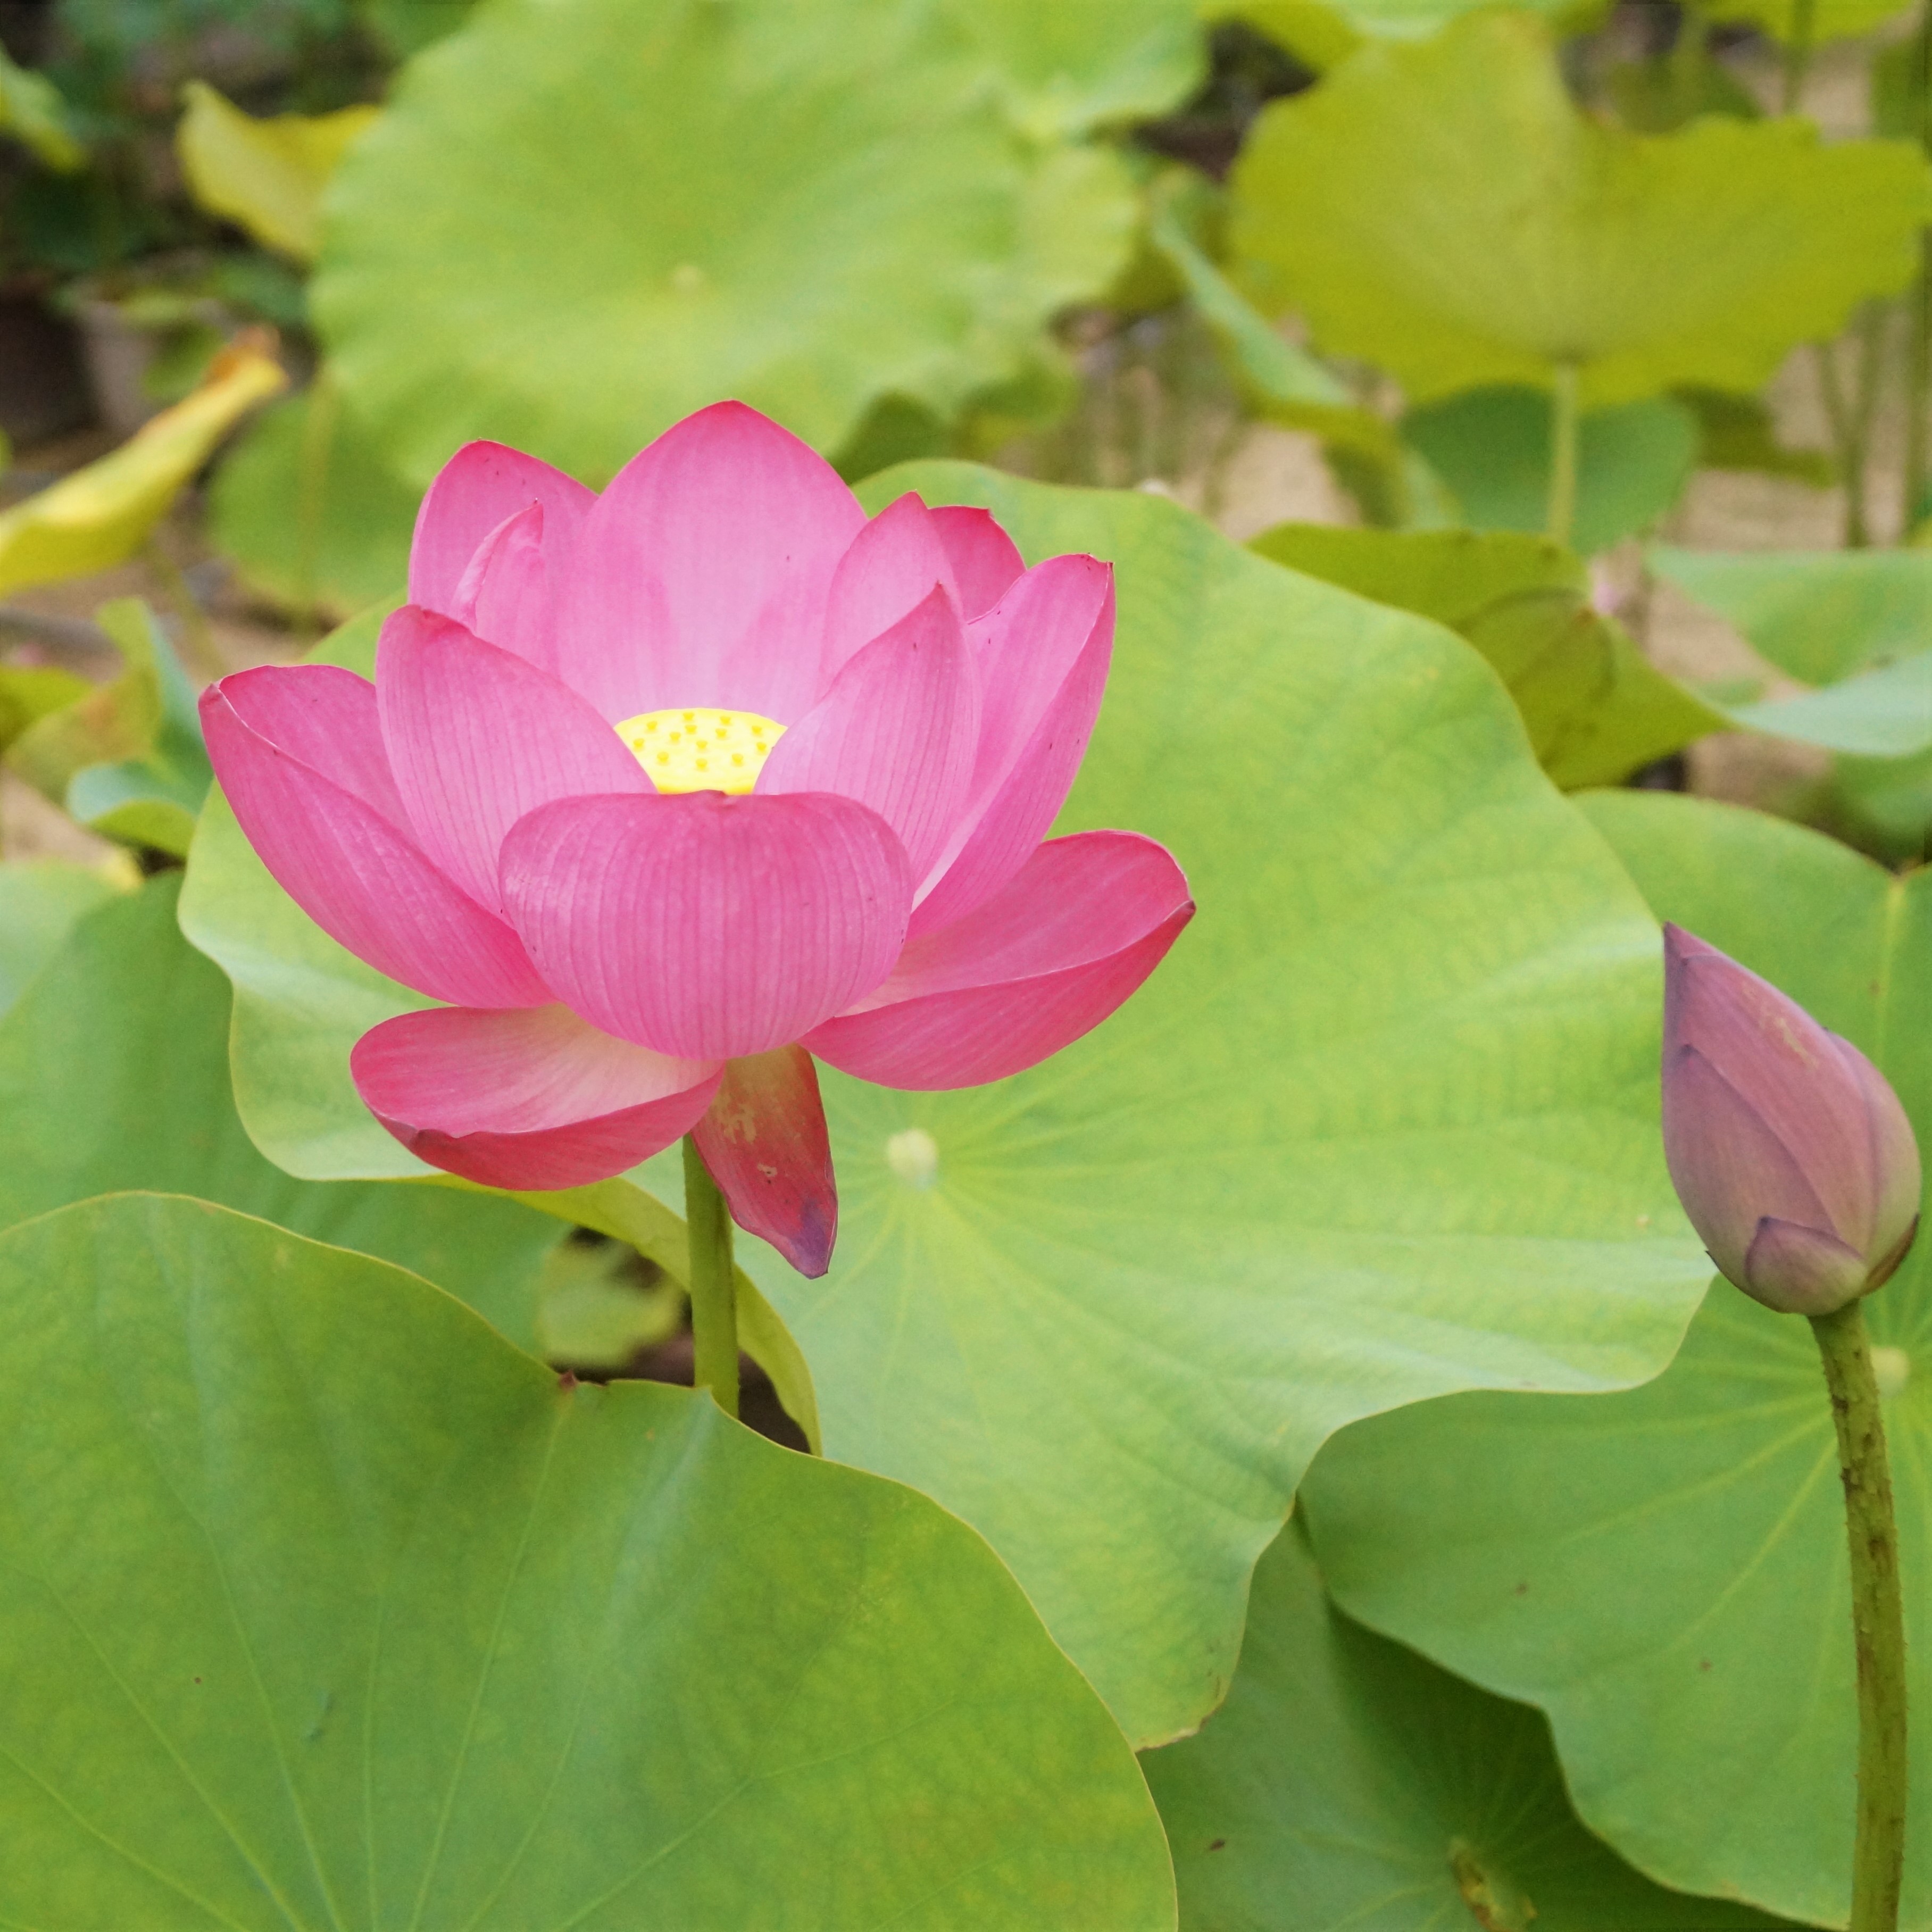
(1443, 208)
(101, 514)
(266, 176)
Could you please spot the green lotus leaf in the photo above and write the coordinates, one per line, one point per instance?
(1347, 1786)
(341, 540)
(1885, 806)
(1821, 615)
(1441, 208)
(113, 1075)
(40, 901)
(808, 208)
(1881, 714)
(327, 1609)
(1382, 1125)
(1663, 1571)
(1491, 449)
(1594, 707)
(125, 758)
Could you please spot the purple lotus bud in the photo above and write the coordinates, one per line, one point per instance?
(1789, 1151)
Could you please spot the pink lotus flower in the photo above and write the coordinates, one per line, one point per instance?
(665, 791)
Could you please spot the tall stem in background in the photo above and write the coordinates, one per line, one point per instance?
(1797, 53)
(1878, 1618)
(1851, 420)
(1565, 423)
(714, 1295)
(1919, 353)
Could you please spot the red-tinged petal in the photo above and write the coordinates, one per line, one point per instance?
(1043, 962)
(1801, 1270)
(894, 564)
(1017, 792)
(477, 737)
(764, 1142)
(480, 486)
(360, 878)
(702, 575)
(505, 596)
(986, 563)
(1787, 1069)
(896, 731)
(324, 716)
(1729, 1169)
(705, 925)
(534, 1098)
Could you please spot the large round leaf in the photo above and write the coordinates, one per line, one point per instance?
(1382, 1125)
(1664, 1571)
(1347, 1786)
(326, 1609)
(1443, 208)
(338, 537)
(114, 1075)
(581, 219)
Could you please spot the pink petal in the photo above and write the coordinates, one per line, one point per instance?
(1801, 1270)
(702, 574)
(324, 716)
(705, 925)
(896, 731)
(361, 879)
(893, 565)
(1729, 1169)
(505, 596)
(986, 563)
(1894, 1154)
(1785, 1068)
(764, 1142)
(477, 736)
(534, 1098)
(1044, 658)
(1043, 962)
(480, 486)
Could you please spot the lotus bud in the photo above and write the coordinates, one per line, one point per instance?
(1789, 1150)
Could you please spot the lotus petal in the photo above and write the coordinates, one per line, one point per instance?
(704, 925)
(1043, 962)
(531, 1099)
(764, 1142)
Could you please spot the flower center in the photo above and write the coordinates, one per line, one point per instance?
(700, 750)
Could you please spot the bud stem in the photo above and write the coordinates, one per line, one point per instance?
(714, 1295)
(1878, 1620)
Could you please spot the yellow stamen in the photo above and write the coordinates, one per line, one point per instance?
(692, 757)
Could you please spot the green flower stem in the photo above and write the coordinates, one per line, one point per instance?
(714, 1302)
(1878, 1618)
(1565, 424)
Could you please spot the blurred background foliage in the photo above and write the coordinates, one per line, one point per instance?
(1602, 274)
